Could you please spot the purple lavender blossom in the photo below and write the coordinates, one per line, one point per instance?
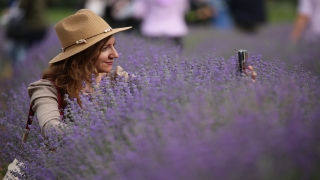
(180, 117)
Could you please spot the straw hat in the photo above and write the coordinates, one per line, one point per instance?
(81, 30)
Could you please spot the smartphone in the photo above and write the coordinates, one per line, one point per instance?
(243, 56)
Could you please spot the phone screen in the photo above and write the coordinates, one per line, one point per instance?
(243, 56)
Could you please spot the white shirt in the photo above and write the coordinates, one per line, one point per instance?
(162, 18)
(311, 8)
(97, 6)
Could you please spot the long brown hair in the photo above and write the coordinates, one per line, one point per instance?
(69, 73)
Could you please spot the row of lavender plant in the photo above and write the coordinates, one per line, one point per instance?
(271, 42)
(178, 118)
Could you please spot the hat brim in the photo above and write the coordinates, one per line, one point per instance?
(72, 50)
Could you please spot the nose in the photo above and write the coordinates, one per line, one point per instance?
(114, 53)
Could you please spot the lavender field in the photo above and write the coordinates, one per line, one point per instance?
(183, 116)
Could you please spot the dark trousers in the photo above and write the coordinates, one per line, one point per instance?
(174, 41)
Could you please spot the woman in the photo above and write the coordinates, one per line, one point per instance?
(88, 47)
(29, 15)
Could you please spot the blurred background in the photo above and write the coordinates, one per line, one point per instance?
(199, 27)
(260, 26)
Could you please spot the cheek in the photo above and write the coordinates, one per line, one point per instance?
(103, 56)
(103, 67)
(99, 61)
(100, 64)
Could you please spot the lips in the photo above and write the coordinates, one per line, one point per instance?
(109, 63)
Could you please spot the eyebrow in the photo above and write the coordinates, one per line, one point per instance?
(110, 43)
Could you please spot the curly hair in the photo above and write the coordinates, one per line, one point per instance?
(69, 74)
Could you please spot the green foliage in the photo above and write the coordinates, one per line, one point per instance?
(67, 4)
(293, 2)
(2, 4)
(56, 14)
(282, 11)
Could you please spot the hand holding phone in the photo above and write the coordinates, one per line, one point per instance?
(243, 68)
(243, 58)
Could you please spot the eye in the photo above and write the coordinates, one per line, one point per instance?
(105, 48)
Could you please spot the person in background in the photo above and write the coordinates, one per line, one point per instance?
(97, 6)
(248, 15)
(10, 11)
(221, 18)
(161, 19)
(28, 31)
(112, 12)
(210, 13)
(307, 22)
(200, 12)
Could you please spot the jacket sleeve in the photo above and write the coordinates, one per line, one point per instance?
(43, 96)
(119, 72)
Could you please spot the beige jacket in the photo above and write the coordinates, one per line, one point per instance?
(43, 95)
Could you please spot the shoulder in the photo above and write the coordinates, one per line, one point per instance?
(42, 88)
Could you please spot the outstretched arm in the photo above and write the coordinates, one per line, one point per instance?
(301, 22)
(302, 19)
(43, 95)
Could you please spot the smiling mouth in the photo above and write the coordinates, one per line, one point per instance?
(109, 63)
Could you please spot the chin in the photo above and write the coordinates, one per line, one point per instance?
(108, 70)
(105, 70)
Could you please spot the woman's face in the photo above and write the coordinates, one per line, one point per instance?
(106, 57)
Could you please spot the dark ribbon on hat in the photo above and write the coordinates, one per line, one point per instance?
(80, 41)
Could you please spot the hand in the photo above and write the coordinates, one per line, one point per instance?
(249, 71)
(119, 72)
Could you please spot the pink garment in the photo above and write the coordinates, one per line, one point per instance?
(311, 8)
(164, 2)
(162, 18)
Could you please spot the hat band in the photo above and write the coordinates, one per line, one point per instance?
(80, 41)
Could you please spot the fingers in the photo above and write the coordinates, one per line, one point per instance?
(249, 71)
(118, 72)
(250, 68)
(121, 73)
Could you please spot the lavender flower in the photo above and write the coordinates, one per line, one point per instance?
(180, 117)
